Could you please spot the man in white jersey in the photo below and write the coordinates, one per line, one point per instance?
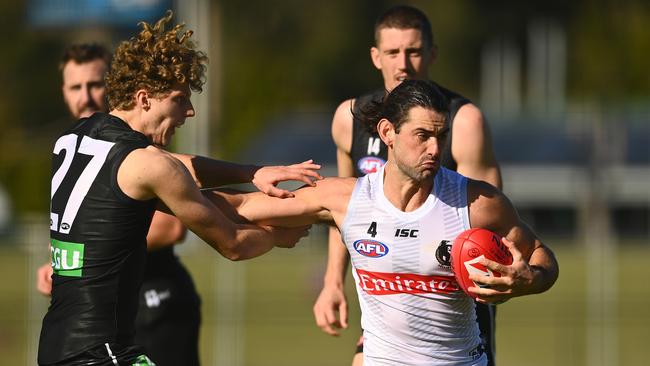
(393, 221)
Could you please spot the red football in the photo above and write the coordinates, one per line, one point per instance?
(467, 250)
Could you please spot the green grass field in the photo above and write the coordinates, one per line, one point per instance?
(263, 308)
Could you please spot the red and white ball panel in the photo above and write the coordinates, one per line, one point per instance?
(468, 249)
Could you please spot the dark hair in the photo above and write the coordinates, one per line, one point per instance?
(405, 17)
(155, 60)
(396, 104)
(81, 53)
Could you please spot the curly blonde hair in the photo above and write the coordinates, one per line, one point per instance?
(155, 60)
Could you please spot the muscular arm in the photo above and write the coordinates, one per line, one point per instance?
(325, 202)
(473, 151)
(150, 172)
(471, 146)
(209, 173)
(534, 269)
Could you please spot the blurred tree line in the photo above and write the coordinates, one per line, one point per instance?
(280, 56)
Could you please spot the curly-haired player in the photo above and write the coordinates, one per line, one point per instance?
(169, 314)
(108, 177)
(155, 60)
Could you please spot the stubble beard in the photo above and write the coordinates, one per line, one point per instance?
(415, 173)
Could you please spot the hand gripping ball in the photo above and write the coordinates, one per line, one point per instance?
(468, 248)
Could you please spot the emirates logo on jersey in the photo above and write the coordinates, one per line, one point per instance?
(370, 164)
(384, 283)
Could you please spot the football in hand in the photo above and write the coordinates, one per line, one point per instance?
(468, 249)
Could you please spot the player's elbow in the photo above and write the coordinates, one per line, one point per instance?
(233, 256)
(236, 246)
(230, 250)
(548, 272)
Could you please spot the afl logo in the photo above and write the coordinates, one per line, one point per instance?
(370, 248)
(370, 164)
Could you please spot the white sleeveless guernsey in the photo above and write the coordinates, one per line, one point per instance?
(413, 312)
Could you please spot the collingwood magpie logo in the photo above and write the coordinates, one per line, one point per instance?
(443, 253)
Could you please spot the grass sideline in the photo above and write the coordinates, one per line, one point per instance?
(277, 326)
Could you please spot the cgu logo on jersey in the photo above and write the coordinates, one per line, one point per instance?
(370, 248)
(370, 164)
(67, 258)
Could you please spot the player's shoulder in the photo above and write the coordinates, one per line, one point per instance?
(151, 160)
(485, 201)
(151, 152)
(469, 115)
(479, 187)
(469, 126)
(342, 125)
(344, 110)
(339, 185)
(334, 193)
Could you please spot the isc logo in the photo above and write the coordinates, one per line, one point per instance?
(370, 164)
(370, 248)
(406, 233)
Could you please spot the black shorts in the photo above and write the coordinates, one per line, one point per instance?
(108, 355)
(168, 321)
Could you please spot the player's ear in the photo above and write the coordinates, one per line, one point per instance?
(386, 131)
(142, 99)
(374, 56)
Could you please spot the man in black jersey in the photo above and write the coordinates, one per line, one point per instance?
(169, 316)
(109, 175)
(404, 49)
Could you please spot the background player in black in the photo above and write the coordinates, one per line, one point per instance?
(169, 308)
(404, 49)
(108, 177)
(168, 319)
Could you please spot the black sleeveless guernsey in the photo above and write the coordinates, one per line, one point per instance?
(368, 152)
(98, 242)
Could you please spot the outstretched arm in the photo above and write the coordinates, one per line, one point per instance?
(325, 202)
(149, 173)
(209, 173)
(534, 268)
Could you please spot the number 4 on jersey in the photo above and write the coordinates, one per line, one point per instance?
(372, 229)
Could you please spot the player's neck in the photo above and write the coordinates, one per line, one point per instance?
(131, 117)
(405, 193)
